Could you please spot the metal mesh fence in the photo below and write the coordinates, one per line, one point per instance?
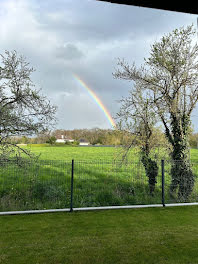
(33, 185)
(102, 183)
(181, 181)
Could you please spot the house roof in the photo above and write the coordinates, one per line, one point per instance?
(186, 7)
(82, 140)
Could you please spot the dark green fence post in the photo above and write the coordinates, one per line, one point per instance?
(163, 197)
(72, 186)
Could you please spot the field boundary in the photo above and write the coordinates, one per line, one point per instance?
(85, 186)
(94, 208)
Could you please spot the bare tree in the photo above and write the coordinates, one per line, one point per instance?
(170, 77)
(23, 109)
(137, 116)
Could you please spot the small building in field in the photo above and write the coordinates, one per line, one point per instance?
(64, 139)
(60, 140)
(83, 142)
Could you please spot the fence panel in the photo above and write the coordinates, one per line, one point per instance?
(41, 184)
(34, 185)
(102, 183)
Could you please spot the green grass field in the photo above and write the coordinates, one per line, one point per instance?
(142, 236)
(194, 154)
(99, 179)
(79, 153)
(47, 152)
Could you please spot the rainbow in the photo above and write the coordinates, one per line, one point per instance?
(97, 100)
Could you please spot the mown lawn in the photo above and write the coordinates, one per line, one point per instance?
(152, 235)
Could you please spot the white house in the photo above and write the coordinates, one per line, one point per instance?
(63, 139)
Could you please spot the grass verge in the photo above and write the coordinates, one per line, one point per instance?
(152, 235)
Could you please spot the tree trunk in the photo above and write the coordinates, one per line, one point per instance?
(182, 179)
(151, 169)
(181, 172)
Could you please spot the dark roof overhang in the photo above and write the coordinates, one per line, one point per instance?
(186, 7)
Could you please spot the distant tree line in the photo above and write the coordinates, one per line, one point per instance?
(95, 136)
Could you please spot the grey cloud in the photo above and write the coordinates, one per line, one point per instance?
(69, 52)
(61, 37)
(97, 21)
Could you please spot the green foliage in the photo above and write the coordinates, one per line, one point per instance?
(51, 140)
(151, 169)
(193, 140)
(74, 143)
(183, 179)
(24, 140)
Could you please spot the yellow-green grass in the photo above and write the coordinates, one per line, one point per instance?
(194, 154)
(79, 153)
(64, 152)
(137, 236)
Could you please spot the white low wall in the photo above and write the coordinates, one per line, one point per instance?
(94, 208)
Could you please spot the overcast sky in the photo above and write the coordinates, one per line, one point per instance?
(84, 37)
